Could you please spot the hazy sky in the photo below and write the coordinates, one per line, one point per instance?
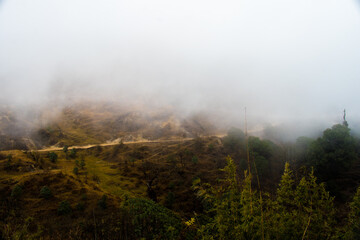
(283, 59)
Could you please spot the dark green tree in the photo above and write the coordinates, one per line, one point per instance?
(234, 141)
(53, 157)
(73, 152)
(353, 227)
(234, 209)
(64, 208)
(195, 159)
(301, 211)
(170, 199)
(260, 152)
(45, 192)
(16, 191)
(102, 203)
(333, 153)
(66, 151)
(76, 171)
(302, 150)
(82, 163)
(152, 221)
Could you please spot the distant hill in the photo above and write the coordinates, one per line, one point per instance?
(94, 123)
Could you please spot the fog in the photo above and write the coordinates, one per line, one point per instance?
(286, 61)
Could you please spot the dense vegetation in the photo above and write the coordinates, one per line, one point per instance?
(237, 187)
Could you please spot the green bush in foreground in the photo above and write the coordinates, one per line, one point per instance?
(151, 220)
(302, 210)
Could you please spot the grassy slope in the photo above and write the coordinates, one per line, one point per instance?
(108, 170)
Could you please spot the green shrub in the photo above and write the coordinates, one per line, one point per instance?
(170, 199)
(65, 148)
(64, 208)
(80, 206)
(211, 147)
(45, 192)
(234, 141)
(53, 157)
(95, 178)
(82, 163)
(151, 220)
(73, 152)
(102, 203)
(16, 192)
(352, 230)
(76, 171)
(84, 197)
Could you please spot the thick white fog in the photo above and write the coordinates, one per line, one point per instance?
(287, 61)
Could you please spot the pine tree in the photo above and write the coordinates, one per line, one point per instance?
(353, 228)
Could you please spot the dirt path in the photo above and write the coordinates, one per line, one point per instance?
(115, 143)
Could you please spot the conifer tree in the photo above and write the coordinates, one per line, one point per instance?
(353, 228)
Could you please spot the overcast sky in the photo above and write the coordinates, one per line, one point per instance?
(282, 59)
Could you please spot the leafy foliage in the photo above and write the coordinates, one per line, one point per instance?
(195, 159)
(65, 148)
(102, 203)
(64, 208)
(45, 192)
(80, 206)
(333, 152)
(261, 152)
(16, 191)
(302, 149)
(170, 199)
(151, 220)
(305, 209)
(353, 228)
(53, 157)
(234, 141)
(76, 170)
(73, 153)
(239, 212)
(82, 163)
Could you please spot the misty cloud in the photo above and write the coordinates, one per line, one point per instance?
(285, 60)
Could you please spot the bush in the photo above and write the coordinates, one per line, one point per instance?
(84, 197)
(80, 206)
(151, 220)
(96, 178)
(73, 152)
(170, 199)
(45, 192)
(234, 141)
(17, 191)
(64, 208)
(76, 171)
(65, 148)
(102, 203)
(353, 226)
(82, 163)
(53, 157)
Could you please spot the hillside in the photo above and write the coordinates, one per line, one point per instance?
(164, 171)
(95, 123)
(161, 178)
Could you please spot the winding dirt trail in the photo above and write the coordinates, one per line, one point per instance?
(115, 143)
